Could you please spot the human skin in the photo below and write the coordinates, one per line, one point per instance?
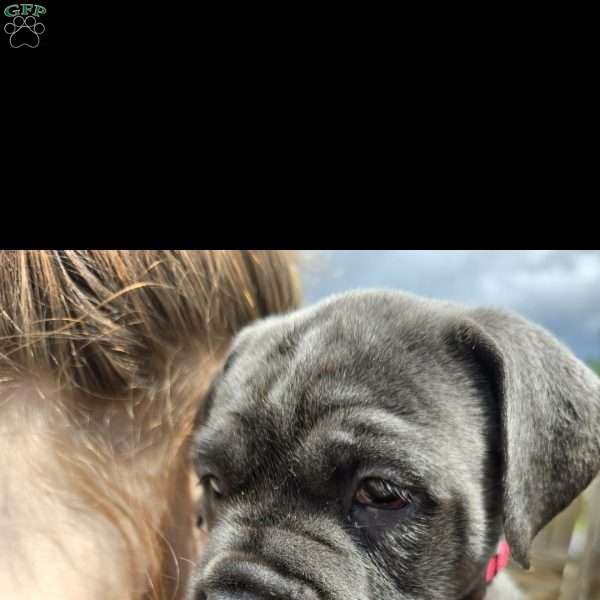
(57, 544)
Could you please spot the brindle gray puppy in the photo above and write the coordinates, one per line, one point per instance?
(378, 446)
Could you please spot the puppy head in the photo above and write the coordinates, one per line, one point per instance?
(377, 444)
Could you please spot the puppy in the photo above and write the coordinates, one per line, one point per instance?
(380, 446)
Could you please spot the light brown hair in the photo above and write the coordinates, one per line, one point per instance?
(119, 346)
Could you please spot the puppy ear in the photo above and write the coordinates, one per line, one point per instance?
(549, 406)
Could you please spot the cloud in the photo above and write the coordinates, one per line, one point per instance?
(560, 289)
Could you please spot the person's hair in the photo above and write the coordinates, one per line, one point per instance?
(118, 333)
(105, 322)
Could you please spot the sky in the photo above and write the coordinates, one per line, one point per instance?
(559, 289)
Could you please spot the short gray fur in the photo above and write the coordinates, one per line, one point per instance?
(490, 422)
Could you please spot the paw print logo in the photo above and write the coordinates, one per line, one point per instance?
(24, 31)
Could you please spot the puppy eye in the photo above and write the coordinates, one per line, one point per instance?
(380, 493)
(210, 481)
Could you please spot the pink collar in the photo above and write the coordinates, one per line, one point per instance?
(497, 562)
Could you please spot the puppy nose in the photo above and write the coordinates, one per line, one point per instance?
(235, 579)
(228, 596)
(200, 595)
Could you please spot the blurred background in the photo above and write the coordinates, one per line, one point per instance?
(559, 289)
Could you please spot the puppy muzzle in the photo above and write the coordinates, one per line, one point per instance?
(308, 561)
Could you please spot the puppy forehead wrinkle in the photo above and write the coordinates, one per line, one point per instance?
(376, 437)
(260, 338)
(373, 420)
